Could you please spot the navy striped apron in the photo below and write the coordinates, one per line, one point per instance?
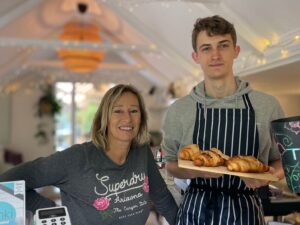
(224, 200)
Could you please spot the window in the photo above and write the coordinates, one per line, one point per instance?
(79, 105)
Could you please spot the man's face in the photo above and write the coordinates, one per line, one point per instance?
(215, 55)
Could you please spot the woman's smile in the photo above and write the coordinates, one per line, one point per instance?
(125, 119)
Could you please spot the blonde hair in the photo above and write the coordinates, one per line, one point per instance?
(102, 116)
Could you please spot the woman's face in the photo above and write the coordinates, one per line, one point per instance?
(125, 119)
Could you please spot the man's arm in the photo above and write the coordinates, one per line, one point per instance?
(275, 169)
(278, 169)
(174, 170)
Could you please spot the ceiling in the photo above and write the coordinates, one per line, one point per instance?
(146, 42)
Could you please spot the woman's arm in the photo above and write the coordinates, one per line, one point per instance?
(38, 173)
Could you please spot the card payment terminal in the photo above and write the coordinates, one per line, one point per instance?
(55, 215)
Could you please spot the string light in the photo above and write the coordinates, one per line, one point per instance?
(287, 45)
(153, 46)
(196, 72)
(258, 61)
(284, 53)
(264, 44)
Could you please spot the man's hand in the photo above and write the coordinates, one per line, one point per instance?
(256, 183)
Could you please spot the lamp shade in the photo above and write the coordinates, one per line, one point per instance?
(81, 60)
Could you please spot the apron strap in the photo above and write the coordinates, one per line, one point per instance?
(247, 102)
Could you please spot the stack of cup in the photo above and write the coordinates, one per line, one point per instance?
(286, 133)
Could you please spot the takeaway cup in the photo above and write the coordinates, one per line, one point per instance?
(286, 132)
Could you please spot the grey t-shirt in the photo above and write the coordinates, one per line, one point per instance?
(95, 189)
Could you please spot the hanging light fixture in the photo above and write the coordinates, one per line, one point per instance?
(81, 60)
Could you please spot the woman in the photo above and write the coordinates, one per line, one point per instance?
(109, 180)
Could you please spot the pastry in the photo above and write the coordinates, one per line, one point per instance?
(208, 158)
(246, 164)
(188, 151)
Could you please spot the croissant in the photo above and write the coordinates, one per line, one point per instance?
(208, 158)
(195, 155)
(221, 154)
(188, 151)
(247, 164)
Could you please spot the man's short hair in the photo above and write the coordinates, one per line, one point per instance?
(214, 25)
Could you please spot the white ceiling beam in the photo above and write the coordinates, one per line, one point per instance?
(153, 75)
(56, 44)
(273, 62)
(151, 1)
(102, 65)
(146, 31)
(18, 11)
(242, 28)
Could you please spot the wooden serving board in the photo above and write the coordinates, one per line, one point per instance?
(223, 170)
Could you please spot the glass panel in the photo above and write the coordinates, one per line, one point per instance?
(87, 98)
(63, 134)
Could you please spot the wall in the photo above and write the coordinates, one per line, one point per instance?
(290, 104)
(5, 118)
(281, 82)
(156, 117)
(24, 126)
(157, 106)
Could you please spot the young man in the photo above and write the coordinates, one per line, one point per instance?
(222, 112)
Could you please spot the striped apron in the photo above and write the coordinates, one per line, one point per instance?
(224, 200)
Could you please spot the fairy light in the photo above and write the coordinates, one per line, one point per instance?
(284, 53)
(266, 43)
(258, 61)
(196, 72)
(153, 46)
(12, 87)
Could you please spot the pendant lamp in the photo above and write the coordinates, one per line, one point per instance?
(81, 60)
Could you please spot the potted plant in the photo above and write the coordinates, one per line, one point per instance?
(47, 106)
